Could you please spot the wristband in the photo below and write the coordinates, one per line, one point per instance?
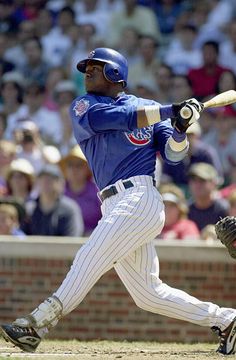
(177, 141)
(152, 114)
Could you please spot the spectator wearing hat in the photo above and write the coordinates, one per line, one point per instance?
(20, 178)
(12, 214)
(80, 187)
(205, 207)
(7, 154)
(177, 225)
(199, 151)
(52, 213)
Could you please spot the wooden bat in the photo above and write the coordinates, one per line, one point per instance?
(225, 98)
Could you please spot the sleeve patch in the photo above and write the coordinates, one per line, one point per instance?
(81, 107)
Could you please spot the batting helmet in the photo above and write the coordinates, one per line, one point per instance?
(115, 68)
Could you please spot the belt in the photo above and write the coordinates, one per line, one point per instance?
(113, 190)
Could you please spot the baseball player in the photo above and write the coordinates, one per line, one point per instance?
(120, 135)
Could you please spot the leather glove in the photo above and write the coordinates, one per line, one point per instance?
(182, 123)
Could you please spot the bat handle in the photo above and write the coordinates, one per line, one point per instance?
(186, 112)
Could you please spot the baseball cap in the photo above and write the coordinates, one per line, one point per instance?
(52, 170)
(203, 171)
(13, 76)
(170, 198)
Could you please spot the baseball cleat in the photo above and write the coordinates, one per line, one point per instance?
(25, 338)
(227, 339)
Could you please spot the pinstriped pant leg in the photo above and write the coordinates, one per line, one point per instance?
(129, 218)
(140, 274)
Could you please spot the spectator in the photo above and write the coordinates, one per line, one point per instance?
(8, 22)
(20, 180)
(223, 138)
(55, 75)
(199, 151)
(88, 12)
(164, 83)
(167, 13)
(15, 52)
(177, 225)
(205, 78)
(64, 93)
(83, 39)
(12, 214)
(7, 154)
(129, 44)
(181, 88)
(12, 88)
(51, 213)
(48, 122)
(5, 65)
(81, 188)
(205, 205)
(181, 54)
(35, 68)
(56, 43)
(227, 81)
(139, 17)
(29, 144)
(146, 67)
(228, 48)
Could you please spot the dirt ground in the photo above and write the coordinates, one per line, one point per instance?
(109, 350)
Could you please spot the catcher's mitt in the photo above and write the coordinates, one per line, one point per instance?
(226, 233)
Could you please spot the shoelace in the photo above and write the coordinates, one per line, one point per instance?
(22, 330)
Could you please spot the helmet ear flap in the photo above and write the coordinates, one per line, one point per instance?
(112, 73)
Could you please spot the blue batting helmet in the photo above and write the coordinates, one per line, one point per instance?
(115, 68)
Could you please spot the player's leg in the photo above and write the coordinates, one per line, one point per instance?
(129, 218)
(139, 272)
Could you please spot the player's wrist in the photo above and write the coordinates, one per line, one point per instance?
(178, 141)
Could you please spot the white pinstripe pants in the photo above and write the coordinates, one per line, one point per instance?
(123, 240)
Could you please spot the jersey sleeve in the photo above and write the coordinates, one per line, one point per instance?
(90, 117)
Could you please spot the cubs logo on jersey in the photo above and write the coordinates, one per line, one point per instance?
(81, 107)
(140, 137)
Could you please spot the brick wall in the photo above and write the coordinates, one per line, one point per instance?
(31, 269)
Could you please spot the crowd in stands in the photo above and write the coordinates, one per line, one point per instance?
(176, 49)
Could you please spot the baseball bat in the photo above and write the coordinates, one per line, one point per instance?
(222, 99)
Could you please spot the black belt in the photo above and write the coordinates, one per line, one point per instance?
(113, 190)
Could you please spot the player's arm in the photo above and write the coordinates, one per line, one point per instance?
(151, 114)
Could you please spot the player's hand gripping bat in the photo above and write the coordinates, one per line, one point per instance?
(225, 98)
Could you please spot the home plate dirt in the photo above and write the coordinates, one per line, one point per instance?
(111, 350)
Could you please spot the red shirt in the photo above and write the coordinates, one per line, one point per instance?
(183, 229)
(203, 83)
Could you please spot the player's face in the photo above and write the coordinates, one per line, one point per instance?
(95, 81)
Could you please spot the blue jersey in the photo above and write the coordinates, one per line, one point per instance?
(106, 130)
